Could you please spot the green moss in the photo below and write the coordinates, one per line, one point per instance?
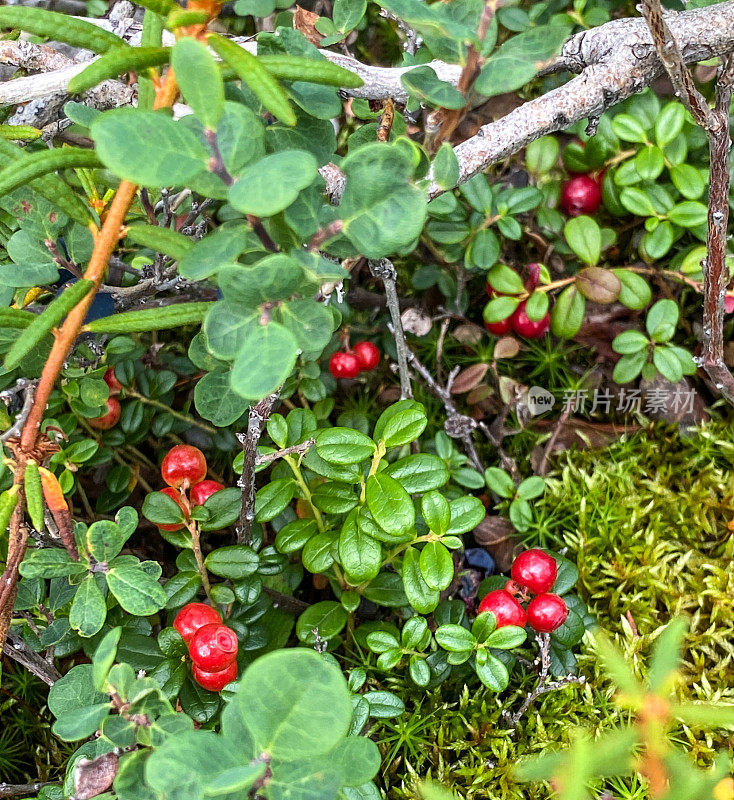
(646, 520)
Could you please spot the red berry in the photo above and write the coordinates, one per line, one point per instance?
(367, 354)
(110, 418)
(529, 328)
(201, 492)
(580, 195)
(194, 616)
(213, 647)
(176, 497)
(546, 612)
(535, 570)
(513, 588)
(506, 609)
(183, 465)
(111, 381)
(500, 328)
(215, 681)
(344, 365)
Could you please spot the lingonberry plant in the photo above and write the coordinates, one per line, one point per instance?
(276, 324)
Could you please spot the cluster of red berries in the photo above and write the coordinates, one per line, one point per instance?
(212, 645)
(521, 324)
(363, 357)
(184, 469)
(580, 194)
(112, 416)
(519, 321)
(533, 573)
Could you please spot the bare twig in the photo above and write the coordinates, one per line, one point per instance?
(259, 415)
(385, 270)
(19, 651)
(716, 272)
(301, 449)
(23, 789)
(543, 686)
(715, 121)
(557, 428)
(672, 59)
(615, 61)
(457, 426)
(29, 389)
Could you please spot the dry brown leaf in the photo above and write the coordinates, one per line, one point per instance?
(469, 378)
(507, 347)
(93, 777)
(468, 333)
(497, 536)
(305, 22)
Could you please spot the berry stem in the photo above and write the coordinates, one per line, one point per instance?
(303, 486)
(196, 546)
(178, 414)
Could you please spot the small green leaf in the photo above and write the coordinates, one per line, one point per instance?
(499, 482)
(328, 618)
(389, 504)
(271, 184)
(344, 445)
(200, 80)
(455, 638)
(147, 147)
(88, 611)
(419, 593)
(437, 566)
(423, 83)
(264, 364)
(630, 342)
(567, 315)
(135, 590)
(661, 320)
(401, 423)
(583, 235)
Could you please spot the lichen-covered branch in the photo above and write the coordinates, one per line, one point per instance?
(258, 417)
(715, 121)
(385, 271)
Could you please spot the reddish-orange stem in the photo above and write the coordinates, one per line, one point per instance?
(106, 241)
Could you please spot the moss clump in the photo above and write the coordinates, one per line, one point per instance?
(647, 522)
